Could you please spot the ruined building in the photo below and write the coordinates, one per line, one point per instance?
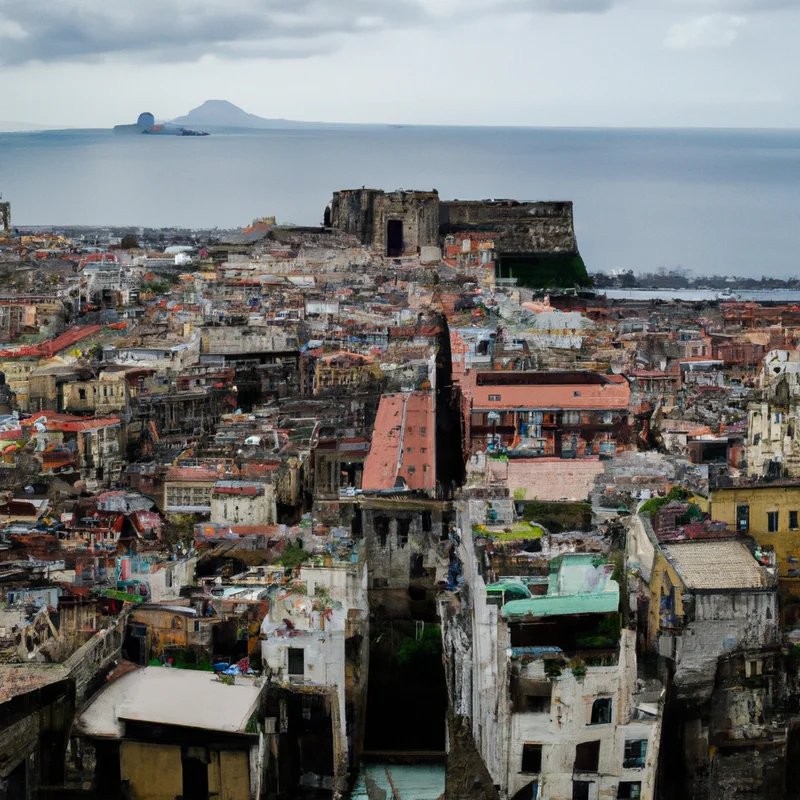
(534, 243)
(773, 433)
(395, 223)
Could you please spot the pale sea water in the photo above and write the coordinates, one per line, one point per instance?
(724, 201)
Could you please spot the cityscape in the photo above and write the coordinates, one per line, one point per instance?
(401, 506)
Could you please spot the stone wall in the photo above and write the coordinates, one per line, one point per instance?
(366, 213)
(406, 561)
(519, 227)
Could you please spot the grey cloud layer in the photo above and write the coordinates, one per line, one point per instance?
(181, 30)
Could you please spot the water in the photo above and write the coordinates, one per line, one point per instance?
(419, 782)
(724, 201)
(698, 295)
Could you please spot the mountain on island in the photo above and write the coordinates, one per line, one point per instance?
(216, 114)
(221, 113)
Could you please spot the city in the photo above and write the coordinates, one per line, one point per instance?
(306, 512)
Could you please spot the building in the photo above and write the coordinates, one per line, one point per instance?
(243, 503)
(402, 453)
(551, 430)
(177, 733)
(770, 513)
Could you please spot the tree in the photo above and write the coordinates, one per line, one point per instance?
(129, 242)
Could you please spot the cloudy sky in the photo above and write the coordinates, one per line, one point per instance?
(95, 63)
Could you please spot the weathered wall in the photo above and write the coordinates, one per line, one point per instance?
(154, 771)
(229, 340)
(366, 213)
(551, 478)
(518, 227)
(406, 563)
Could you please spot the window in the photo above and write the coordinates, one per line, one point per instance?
(756, 439)
(423, 431)
(531, 758)
(753, 667)
(537, 705)
(494, 398)
(743, 518)
(409, 449)
(82, 394)
(587, 756)
(581, 790)
(635, 753)
(297, 661)
(778, 417)
(793, 521)
(772, 521)
(601, 711)
(629, 790)
(576, 394)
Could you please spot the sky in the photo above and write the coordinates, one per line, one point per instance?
(607, 63)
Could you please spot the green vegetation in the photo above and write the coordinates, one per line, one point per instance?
(553, 667)
(293, 556)
(520, 531)
(156, 287)
(414, 653)
(546, 270)
(181, 661)
(578, 667)
(652, 505)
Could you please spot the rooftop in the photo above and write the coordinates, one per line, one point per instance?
(579, 584)
(716, 565)
(164, 696)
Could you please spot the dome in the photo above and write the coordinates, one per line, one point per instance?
(146, 120)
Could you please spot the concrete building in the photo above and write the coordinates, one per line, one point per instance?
(243, 503)
(773, 426)
(548, 681)
(175, 733)
(313, 646)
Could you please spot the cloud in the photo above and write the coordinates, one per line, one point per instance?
(9, 29)
(185, 30)
(709, 31)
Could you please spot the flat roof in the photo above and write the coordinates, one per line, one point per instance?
(715, 565)
(167, 696)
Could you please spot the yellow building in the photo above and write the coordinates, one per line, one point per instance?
(178, 733)
(770, 513)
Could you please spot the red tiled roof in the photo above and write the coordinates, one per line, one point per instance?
(188, 474)
(398, 441)
(65, 422)
(615, 394)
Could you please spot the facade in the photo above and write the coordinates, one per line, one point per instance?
(141, 727)
(243, 503)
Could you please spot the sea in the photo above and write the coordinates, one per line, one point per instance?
(711, 201)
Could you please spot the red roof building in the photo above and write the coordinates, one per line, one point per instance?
(403, 449)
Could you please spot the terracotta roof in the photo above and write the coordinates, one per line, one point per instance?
(188, 474)
(614, 393)
(404, 427)
(65, 422)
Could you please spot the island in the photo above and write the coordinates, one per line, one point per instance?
(146, 124)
